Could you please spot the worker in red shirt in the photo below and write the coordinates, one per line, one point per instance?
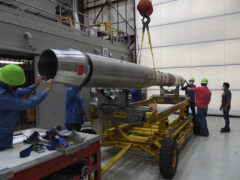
(203, 97)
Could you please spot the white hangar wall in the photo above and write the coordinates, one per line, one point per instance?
(196, 38)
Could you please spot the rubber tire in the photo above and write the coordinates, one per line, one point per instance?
(89, 131)
(166, 158)
(196, 126)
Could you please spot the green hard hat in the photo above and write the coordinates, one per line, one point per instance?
(191, 79)
(12, 74)
(204, 81)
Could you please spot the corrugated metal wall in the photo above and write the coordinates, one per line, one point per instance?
(199, 38)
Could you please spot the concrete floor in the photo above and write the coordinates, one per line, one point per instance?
(216, 157)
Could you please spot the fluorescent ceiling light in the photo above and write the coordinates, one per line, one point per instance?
(10, 62)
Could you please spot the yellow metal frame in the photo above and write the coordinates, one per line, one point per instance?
(67, 18)
(151, 134)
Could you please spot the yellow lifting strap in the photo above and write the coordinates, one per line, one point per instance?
(145, 26)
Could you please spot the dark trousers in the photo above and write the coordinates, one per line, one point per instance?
(192, 106)
(73, 126)
(201, 114)
(226, 118)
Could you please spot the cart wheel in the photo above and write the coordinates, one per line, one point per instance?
(89, 131)
(168, 158)
(196, 126)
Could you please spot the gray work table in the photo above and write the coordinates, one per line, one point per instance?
(11, 162)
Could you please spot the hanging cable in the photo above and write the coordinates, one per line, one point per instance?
(145, 8)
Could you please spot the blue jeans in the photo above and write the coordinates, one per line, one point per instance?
(201, 114)
(192, 106)
(226, 118)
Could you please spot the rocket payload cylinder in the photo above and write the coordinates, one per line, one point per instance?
(75, 68)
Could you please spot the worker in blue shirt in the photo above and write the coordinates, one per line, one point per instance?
(12, 76)
(75, 113)
(136, 95)
(190, 94)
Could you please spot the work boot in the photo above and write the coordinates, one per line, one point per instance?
(225, 130)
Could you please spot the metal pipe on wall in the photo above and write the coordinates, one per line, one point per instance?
(75, 68)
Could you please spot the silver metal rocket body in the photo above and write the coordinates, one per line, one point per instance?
(75, 68)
